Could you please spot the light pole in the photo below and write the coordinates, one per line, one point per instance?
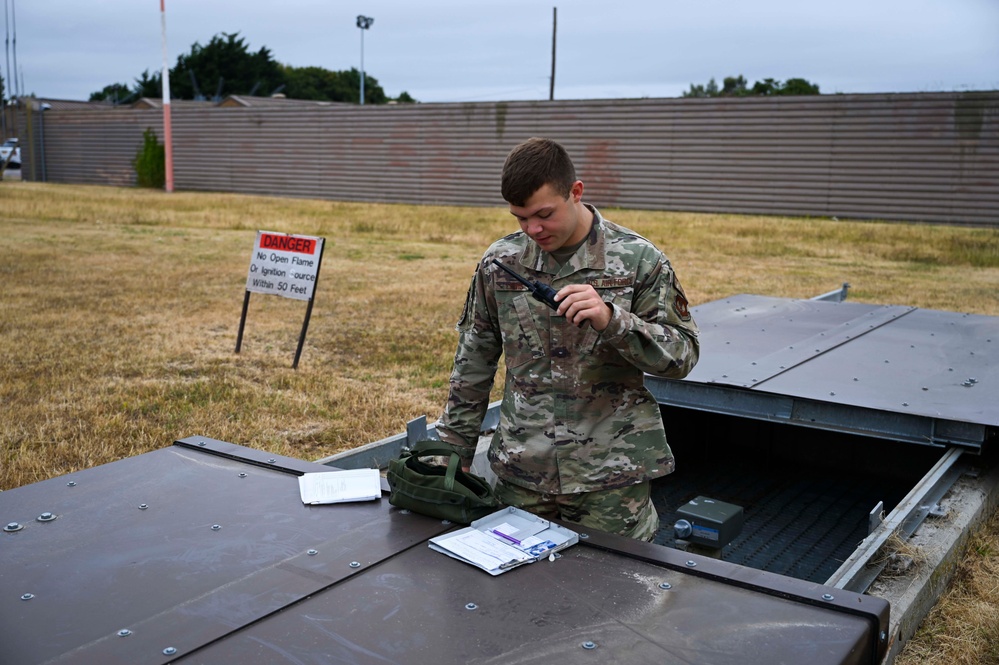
(41, 116)
(363, 22)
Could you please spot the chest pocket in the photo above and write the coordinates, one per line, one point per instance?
(521, 338)
(615, 290)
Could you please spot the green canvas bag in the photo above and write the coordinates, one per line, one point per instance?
(430, 489)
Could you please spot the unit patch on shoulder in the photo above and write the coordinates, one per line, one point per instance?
(680, 304)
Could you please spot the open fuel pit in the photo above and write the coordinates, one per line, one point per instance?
(807, 494)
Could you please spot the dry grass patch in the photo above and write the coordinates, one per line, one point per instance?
(963, 628)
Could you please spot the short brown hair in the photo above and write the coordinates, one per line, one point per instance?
(533, 164)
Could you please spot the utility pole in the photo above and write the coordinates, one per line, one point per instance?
(551, 89)
(6, 81)
(13, 16)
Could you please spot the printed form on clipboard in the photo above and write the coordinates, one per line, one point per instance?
(504, 540)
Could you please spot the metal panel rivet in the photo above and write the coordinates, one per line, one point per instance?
(201, 443)
(355, 564)
(27, 596)
(905, 404)
(471, 606)
(242, 475)
(143, 506)
(71, 484)
(45, 517)
(124, 632)
(271, 461)
(216, 527)
(584, 536)
(883, 636)
(404, 511)
(12, 527)
(832, 394)
(588, 645)
(445, 522)
(665, 586)
(169, 651)
(312, 552)
(692, 564)
(827, 596)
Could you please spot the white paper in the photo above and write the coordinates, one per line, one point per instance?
(340, 486)
(482, 550)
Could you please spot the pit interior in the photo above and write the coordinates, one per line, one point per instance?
(807, 493)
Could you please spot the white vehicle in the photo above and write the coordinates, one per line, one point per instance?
(10, 146)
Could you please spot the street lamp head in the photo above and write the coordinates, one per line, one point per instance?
(364, 22)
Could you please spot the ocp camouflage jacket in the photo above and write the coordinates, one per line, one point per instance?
(576, 415)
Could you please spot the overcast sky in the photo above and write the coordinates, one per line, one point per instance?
(477, 50)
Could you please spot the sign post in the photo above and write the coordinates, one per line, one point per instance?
(284, 265)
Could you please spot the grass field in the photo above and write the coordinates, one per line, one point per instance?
(119, 311)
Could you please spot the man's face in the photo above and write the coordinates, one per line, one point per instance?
(552, 221)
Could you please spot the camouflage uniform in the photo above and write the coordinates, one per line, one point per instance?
(576, 416)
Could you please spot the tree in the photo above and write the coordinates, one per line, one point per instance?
(322, 84)
(766, 87)
(701, 91)
(225, 66)
(735, 86)
(799, 87)
(115, 93)
(405, 98)
(149, 85)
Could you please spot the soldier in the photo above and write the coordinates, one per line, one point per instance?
(579, 436)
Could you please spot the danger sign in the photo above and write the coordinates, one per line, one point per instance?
(285, 265)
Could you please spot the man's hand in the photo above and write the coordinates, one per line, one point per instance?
(581, 302)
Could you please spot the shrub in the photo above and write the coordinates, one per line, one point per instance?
(150, 162)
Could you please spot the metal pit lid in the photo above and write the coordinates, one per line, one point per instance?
(901, 373)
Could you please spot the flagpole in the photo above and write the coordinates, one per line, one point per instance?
(165, 80)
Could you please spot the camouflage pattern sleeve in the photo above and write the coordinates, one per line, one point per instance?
(657, 334)
(475, 362)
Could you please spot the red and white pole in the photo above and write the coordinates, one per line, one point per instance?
(165, 79)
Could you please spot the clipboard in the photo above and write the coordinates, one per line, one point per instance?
(504, 540)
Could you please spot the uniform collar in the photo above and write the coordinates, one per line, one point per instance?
(590, 254)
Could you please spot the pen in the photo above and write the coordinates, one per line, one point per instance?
(510, 538)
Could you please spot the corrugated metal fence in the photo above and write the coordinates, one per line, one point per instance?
(926, 156)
